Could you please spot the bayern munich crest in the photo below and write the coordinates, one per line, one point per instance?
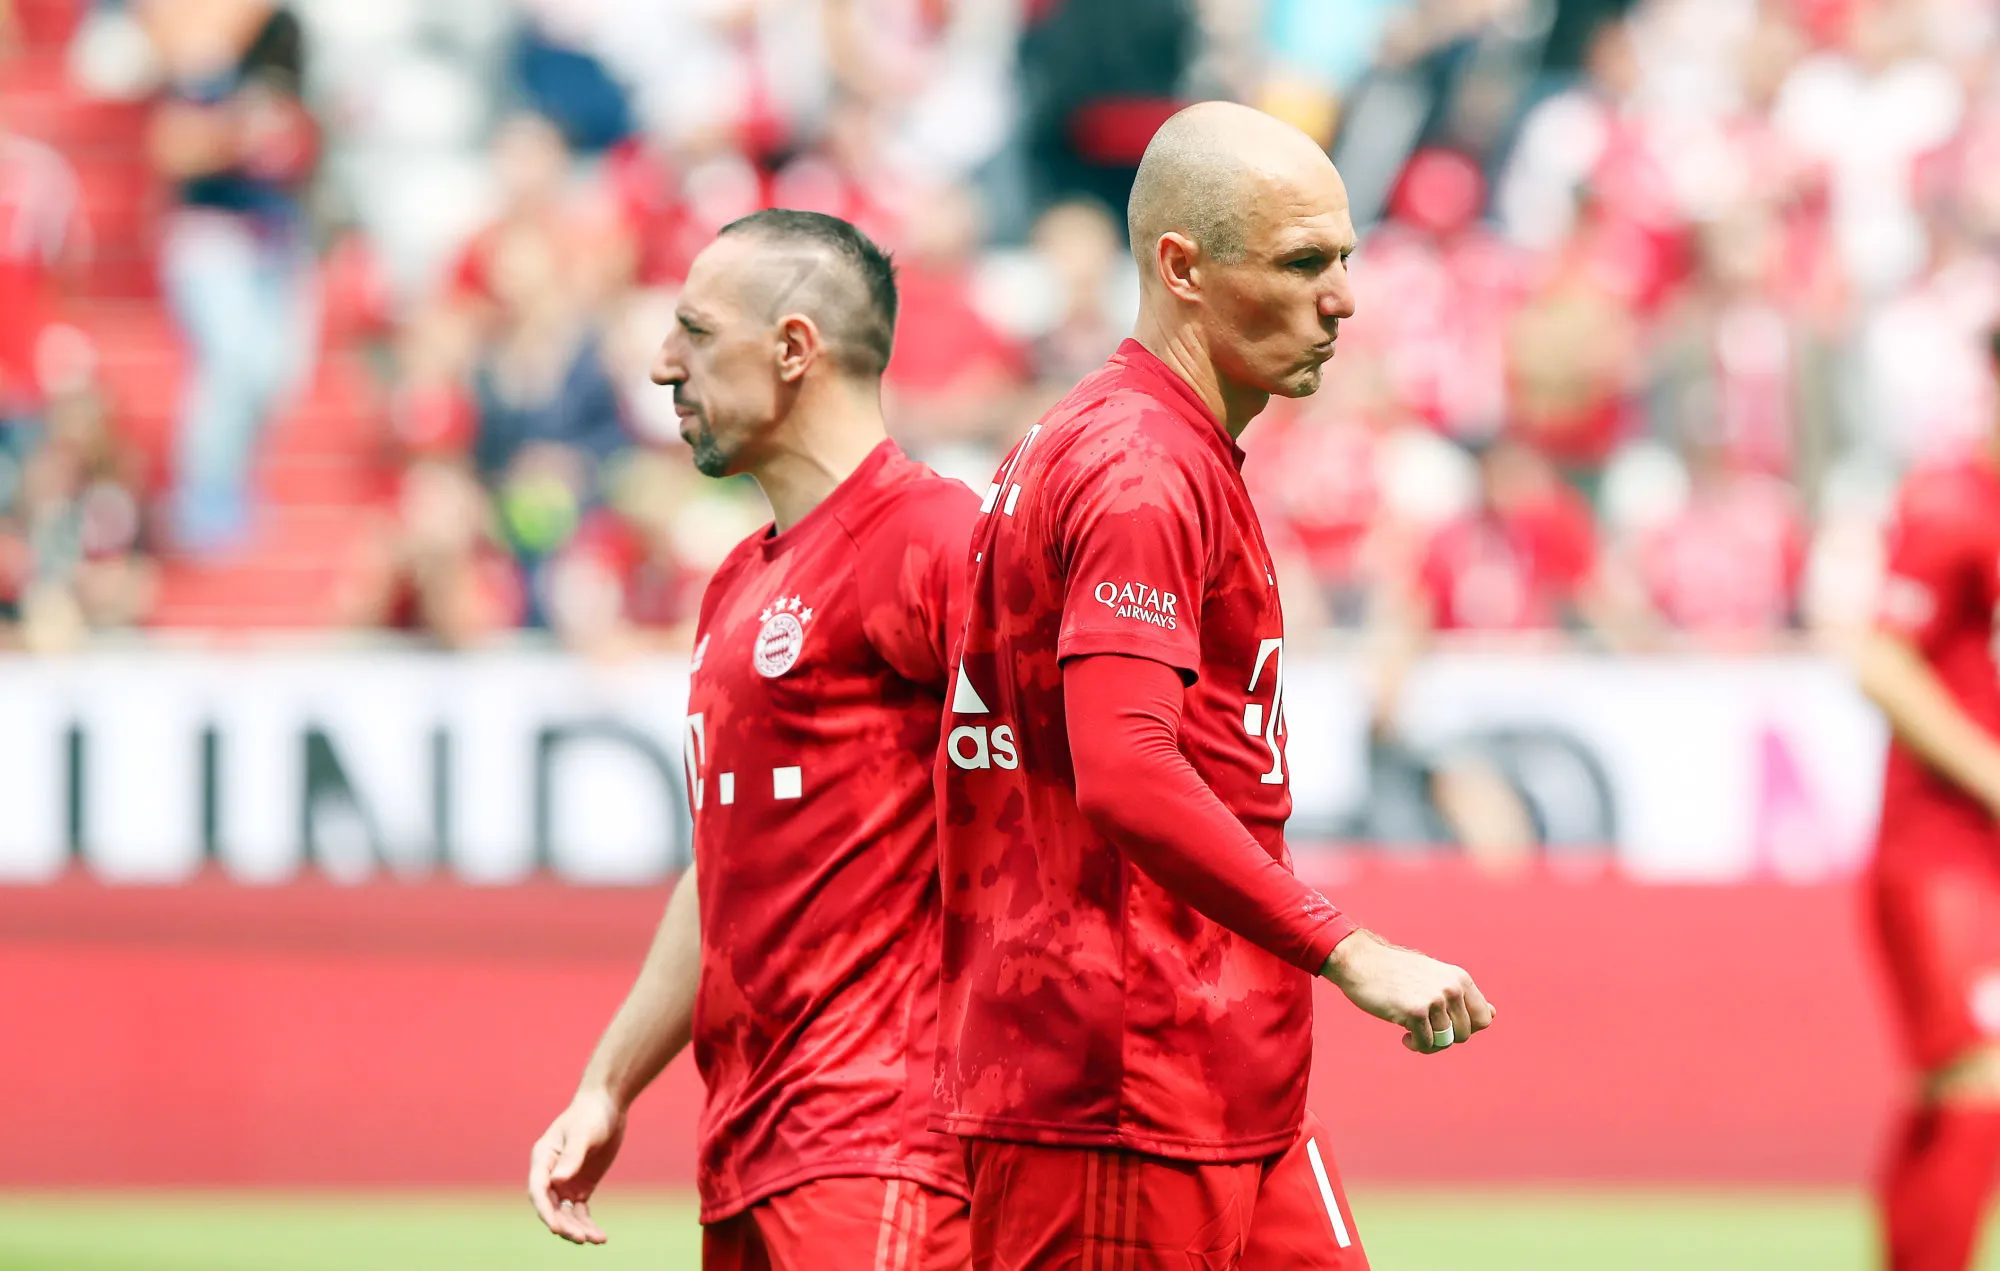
(781, 638)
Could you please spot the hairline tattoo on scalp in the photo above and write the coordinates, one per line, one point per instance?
(837, 277)
(803, 271)
(810, 273)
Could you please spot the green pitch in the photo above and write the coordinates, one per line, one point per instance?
(1491, 1230)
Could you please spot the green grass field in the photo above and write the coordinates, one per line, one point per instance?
(1524, 1230)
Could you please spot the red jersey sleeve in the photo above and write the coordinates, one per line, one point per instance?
(1927, 570)
(913, 581)
(1130, 534)
(1138, 789)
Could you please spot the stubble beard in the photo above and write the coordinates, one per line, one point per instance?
(1302, 383)
(709, 457)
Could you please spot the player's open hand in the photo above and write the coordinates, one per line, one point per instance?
(569, 1162)
(1437, 1004)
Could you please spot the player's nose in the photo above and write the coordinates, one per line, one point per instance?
(668, 368)
(1337, 301)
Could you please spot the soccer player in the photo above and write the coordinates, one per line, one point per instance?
(1126, 1014)
(803, 966)
(1935, 884)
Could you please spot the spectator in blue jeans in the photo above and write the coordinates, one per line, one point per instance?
(234, 138)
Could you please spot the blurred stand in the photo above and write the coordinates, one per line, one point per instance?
(1658, 299)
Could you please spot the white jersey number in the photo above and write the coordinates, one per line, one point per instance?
(1269, 723)
(1003, 481)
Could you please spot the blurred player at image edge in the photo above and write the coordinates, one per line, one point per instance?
(1934, 887)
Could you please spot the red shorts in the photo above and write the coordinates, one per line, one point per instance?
(1938, 924)
(1040, 1208)
(843, 1224)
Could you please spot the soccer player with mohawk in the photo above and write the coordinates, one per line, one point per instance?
(800, 953)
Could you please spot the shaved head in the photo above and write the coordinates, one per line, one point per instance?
(825, 269)
(1204, 172)
(1241, 230)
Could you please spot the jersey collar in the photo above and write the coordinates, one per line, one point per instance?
(771, 541)
(1177, 394)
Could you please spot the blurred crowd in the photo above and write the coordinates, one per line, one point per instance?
(1658, 299)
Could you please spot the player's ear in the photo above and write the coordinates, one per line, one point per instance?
(798, 346)
(1176, 259)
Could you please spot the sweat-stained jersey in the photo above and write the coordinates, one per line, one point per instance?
(1943, 595)
(819, 675)
(1082, 1004)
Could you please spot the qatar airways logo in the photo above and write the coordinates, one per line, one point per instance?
(1140, 602)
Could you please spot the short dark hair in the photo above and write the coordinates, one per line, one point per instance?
(863, 333)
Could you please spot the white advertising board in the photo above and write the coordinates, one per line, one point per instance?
(148, 765)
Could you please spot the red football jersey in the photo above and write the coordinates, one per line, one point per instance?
(1943, 595)
(1082, 1003)
(813, 717)
(1518, 571)
(1730, 561)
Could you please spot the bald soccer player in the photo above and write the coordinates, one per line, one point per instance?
(1126, 1015)
(804, 966)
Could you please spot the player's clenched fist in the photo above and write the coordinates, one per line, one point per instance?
(569, 1162)
(1437, 1003)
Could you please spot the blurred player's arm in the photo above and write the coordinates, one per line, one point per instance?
(1932, 558)
(655, 1024)
(1892, 671)
(1138, 790)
